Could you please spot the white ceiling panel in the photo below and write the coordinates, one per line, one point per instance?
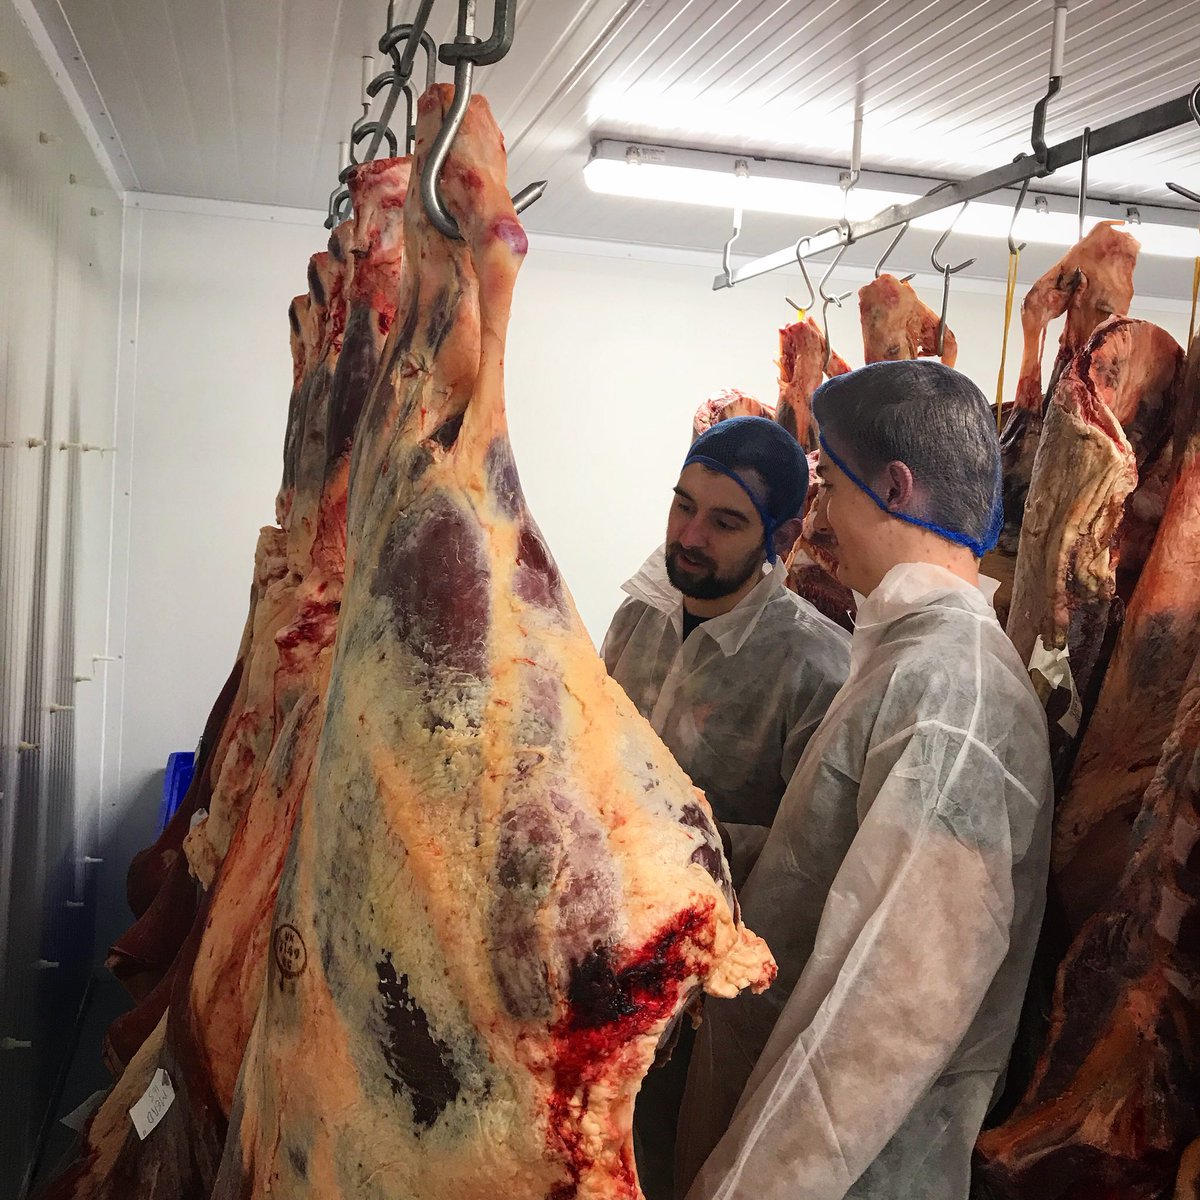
(247, 99)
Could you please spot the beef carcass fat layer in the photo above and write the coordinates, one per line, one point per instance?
(501, 889)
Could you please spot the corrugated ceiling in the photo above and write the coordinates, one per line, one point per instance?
(247, 99)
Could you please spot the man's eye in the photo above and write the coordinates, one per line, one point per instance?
(727, 526)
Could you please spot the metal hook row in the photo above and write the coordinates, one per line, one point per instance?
(463, 54)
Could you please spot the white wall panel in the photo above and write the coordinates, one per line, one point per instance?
(60, 255)
(608, 357)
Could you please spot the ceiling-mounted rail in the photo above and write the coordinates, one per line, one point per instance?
(1172, 114)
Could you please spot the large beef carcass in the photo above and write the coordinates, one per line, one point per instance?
(897, 324)
(728, 402)
(1110, 415)
(804, 357)
(1092, 281)
(1114, 1101)
(219, 975)
(1134, 714)
(501, 890)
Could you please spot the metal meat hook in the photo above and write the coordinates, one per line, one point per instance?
(463, 54)
(946, 270)
(827, 300)
(812, 296)
(890, 250)
(1013, 248)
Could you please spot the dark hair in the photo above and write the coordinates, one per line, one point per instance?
(757, 444)
(932, 419)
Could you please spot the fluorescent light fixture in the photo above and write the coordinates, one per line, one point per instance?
(706, 178)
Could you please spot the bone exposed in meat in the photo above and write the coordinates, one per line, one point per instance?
(1138, 700)
(802, 355)
(1113, 1102)
(1092, 281)
(1066, 566)
(219, 974)
(501, 889)
(897, 324)
(728, 402)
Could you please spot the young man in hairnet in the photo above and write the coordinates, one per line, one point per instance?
(902, 884)
(733, 670)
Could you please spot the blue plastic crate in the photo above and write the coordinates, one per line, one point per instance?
(180, 767)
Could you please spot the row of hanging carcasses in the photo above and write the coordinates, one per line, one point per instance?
(1099, 567)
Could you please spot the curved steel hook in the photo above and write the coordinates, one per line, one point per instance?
(828, 299)
(941, 268)
(812, 295)
(946, 270)
(888, 254)
(1013, 248)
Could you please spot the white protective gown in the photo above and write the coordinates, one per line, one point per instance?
(738, 701)
(901, 891)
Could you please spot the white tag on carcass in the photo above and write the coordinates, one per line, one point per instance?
(1055, 668)
(201, 814)
(153, 1105)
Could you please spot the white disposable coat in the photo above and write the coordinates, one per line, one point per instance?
(901, 891)
(738, 701)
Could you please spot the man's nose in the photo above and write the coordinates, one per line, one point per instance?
(693, 533)
(820, 513)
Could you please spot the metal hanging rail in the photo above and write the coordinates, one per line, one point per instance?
(1172, 114)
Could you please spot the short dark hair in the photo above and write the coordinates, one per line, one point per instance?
(929, 417)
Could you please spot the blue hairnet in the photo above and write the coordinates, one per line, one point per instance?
(757, 444)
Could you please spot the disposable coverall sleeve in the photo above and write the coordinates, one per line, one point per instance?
(910, 938)
(620, 630)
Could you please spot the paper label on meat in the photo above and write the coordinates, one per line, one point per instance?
(1055, 668)
(153, 1105)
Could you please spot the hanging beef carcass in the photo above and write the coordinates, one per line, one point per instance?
(219, 973)
(811, 566)
(1159, 639)
(1092, 281)
(1114, 1101)
(501, 889)
(728, 402)
(1066, 570)
(898, 324)
(1111, 415)
(804, 357)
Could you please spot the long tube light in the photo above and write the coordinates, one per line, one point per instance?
(706, 178)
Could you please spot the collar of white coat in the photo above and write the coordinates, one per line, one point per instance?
(908, 587)
(730, 630)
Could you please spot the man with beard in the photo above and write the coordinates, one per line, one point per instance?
(734, 671)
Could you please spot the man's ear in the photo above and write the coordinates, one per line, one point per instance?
(786, 535)
(898, 486)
